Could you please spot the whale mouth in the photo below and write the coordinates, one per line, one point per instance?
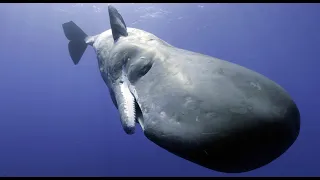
(139, 116)
(138, 112)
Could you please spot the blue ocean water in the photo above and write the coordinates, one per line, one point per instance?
(57, 119)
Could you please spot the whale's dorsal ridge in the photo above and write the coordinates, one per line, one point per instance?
(118, 26)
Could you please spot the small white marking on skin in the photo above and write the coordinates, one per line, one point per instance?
(206, 152)
(188, 101)
(255, 85)
(197, 119)
(162, 114)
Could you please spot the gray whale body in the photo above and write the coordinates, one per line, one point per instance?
(214, 113)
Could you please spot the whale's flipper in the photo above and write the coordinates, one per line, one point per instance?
(126, 105)
(77, 38)
(118, 26)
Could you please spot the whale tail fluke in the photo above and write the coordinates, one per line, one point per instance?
(77, 38)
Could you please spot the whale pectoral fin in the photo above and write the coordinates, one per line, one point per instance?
(117, 23)
(126, 107)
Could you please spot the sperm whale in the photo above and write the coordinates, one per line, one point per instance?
(209, 111)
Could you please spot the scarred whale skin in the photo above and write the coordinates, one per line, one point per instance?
(217, 114)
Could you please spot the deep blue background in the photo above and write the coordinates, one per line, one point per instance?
(57, 119)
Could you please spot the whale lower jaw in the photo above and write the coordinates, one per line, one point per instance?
(128, 106)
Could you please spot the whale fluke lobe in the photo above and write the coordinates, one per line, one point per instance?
(73, 32)
(118, 26)
(77, 37)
